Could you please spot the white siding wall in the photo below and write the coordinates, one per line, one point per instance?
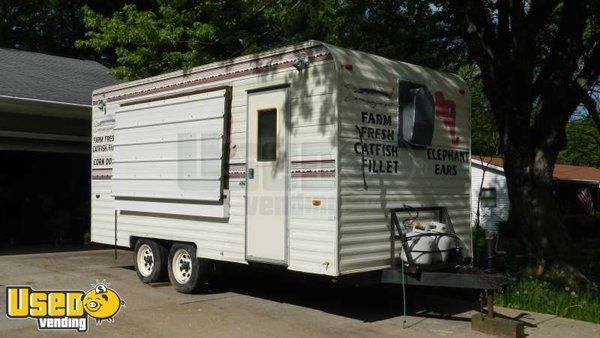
(489, 216)
(312, 149)
(364, 240)
(102, 201)
(312, 230)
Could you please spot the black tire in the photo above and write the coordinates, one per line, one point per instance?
(157, 272)
(181, 257)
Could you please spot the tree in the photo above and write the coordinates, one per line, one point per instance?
(180, 34)
(583, 144)
(46, 26)
(539, 61)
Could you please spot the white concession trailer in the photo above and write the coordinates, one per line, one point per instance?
(297, 157)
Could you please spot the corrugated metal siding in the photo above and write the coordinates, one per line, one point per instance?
(489, 216)
(364, 221)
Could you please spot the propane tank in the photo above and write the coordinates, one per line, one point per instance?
(434, 245)
(420, 247)
(444, 243)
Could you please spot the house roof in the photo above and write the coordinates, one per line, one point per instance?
(37, 76)
(563, 172)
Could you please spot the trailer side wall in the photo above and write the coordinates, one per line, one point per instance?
(377, 174)
(311, 153)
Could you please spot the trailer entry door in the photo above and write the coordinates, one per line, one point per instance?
(266, 177)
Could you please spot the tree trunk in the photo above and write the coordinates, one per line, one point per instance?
(529, 158)
(535, 209)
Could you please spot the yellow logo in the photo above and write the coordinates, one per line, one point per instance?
(64, 309)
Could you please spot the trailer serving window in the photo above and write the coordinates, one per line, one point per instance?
(169, 153)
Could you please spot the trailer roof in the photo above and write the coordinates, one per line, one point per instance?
(373, 65)
(210, 66)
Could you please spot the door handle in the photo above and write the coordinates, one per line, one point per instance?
(250, 173)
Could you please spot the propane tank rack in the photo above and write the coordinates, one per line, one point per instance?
(455, 274)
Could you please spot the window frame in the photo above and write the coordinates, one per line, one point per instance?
(489, 201)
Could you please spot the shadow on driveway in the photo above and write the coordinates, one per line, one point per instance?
(6, 250)
(364, 303)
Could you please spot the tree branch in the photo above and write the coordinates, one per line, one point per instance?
(561, 62)
(518, 25)
(538, 14)
(474, 21)
(588, 76)
(523, 53)
(593, 109)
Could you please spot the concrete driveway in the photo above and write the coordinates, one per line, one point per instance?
(252, 304)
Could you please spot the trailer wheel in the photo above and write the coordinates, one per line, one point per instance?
(188, 273)
(150, 261)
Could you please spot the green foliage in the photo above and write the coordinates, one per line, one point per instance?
(178, 34)
(47, 26)
(184, 33)
(39, 25)
(401, 30)
(583, 144)
(550, 294)
(539, 295)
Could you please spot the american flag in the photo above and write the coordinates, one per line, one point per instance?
(585, 197)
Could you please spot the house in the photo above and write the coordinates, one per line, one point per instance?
(576, 187)
(45, 116)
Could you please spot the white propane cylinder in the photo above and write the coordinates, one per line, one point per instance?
(420, 243)
(445, 243)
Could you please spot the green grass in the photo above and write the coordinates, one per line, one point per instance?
(538, 295)
(549, 296)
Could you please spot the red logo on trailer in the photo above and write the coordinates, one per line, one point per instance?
(445, 110)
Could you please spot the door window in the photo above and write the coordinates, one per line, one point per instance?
(267, 135)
